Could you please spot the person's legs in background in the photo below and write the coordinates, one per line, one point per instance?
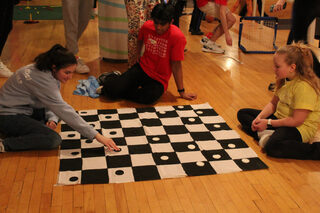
(196, 19)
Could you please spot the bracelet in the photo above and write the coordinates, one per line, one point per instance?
(181, 90)
(269, 122)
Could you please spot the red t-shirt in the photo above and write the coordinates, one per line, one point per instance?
(160, 50)
(201, 3)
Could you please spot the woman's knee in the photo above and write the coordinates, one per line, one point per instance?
(54, 140)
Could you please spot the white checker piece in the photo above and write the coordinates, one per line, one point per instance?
(142, 159)
(171, 171)
(94, 163)
(225, 134)
(171, 121)
(130, 123)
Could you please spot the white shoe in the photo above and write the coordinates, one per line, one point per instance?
(4, 70)
(82, 67)
(2, 146)
(264, 137)
(211, 47)
(205, 40)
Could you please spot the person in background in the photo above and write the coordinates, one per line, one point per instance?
(287, 125)
(31, 105)
(76, 16)
(196, 18)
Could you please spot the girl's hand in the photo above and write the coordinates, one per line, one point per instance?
(260, 125)
(51, 124)
(188, 96)
(107, 142)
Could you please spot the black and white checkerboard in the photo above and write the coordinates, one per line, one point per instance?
(156, 142)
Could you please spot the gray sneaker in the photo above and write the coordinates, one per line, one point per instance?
(103, 76)
(211, 47)
(82, 67)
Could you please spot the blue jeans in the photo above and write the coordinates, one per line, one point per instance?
(25, 133)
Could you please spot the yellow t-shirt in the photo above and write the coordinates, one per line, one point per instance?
(298, 94)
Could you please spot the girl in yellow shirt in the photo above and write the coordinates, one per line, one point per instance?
(290, 120)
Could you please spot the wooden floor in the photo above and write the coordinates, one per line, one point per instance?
(227, 82)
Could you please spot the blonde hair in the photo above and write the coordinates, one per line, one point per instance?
(301, 56)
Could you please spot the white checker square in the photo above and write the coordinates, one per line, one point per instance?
(154, 130)
(187, 157)
(164, 108)
(108, 117)
(88, 112)
(124, 151)
(212, 119)
(148, 115)
(136, 140)
(171, 171)
(70, 153)
(197, 128)
(67, 177)
(241, 153)
(93, 144)
(126, 110)
(180, 138)
(130, 123)
(112, 133)
(94, 163)
(142, 159)
(161, 147)
(209, 145)
(225, 134)
(120, 175)
(70, 135)
(225, 166)
(171, 121)
(95, 124)
(201, 106)
(186, 113)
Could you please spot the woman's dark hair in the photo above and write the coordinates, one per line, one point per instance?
(57, 56)
(163, 13)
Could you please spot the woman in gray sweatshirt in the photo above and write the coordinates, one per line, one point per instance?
(31, 104)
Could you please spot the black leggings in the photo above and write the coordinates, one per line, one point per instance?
(134, 85)
(6, 15)
(285, 142)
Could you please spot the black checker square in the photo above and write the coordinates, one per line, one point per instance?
(215, 155)
(233, 143)
(175, 129)
(158, 139)
(142, 173)
(134, 131)
(139, 149)
(128, 116)
(118, 161)
(70, 144)
(185, 147)
(250, 164)
(156, 142)
(217, 126)
(95, 176)
(92, 152)
(151, 122)
(73, 164)
(198, 168)
(202, 136)
(110, 124)
(165, 158)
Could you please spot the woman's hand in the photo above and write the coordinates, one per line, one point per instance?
(108, 142)
(259, 124)
(52, 125)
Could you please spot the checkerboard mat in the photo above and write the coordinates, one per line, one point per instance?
(156, 142)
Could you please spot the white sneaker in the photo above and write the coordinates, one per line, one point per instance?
(205, 40)
(264, 137)
(82, 67)
(2, 146)
(4, 70)
(211, 47)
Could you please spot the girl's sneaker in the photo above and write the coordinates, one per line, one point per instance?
(211, 47)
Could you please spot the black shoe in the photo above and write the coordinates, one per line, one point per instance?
(103, 76)
(271, 87)
(197, 32)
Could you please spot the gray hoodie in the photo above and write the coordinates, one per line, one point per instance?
(31, 88)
